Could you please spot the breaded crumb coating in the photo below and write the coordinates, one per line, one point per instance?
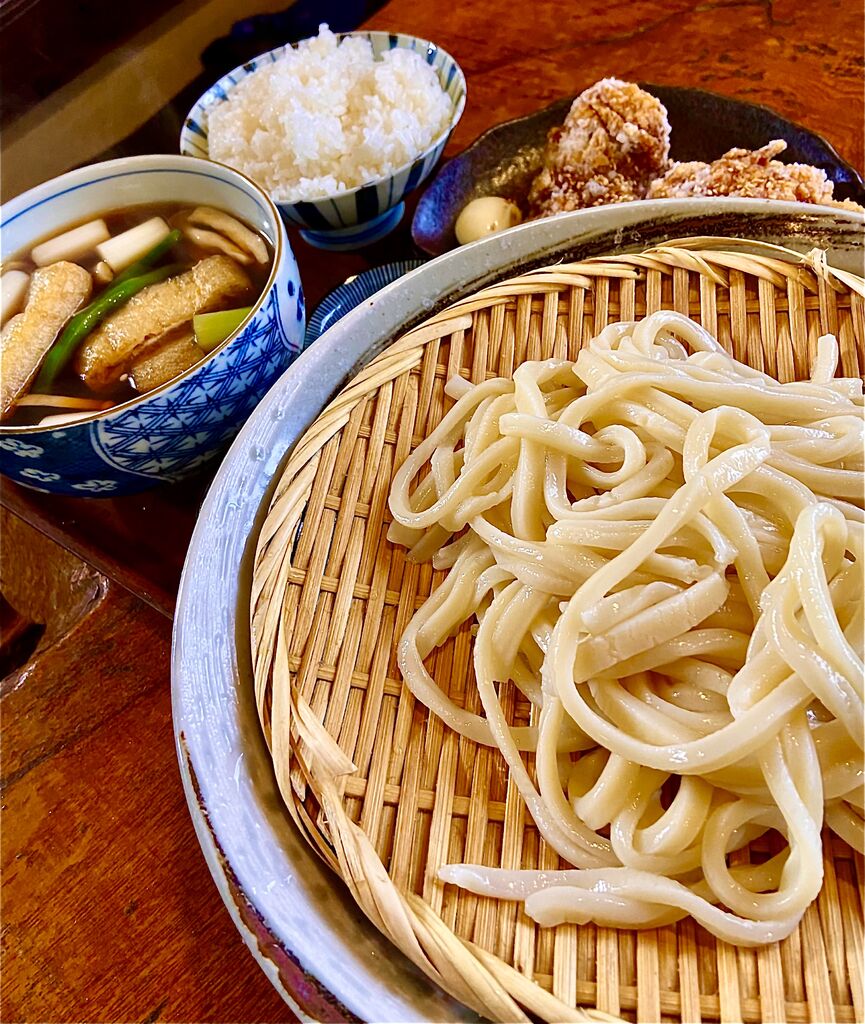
(750, 174)
(614, 147)
(614, 141)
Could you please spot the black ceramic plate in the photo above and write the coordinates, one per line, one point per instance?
(503, 161)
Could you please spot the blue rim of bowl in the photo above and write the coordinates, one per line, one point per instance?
(192, 127)
(343, 299)
(36, 428)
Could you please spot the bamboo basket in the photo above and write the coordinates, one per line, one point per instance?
(384, 791)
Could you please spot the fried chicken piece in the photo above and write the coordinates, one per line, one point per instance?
(561, 190)
(752, 174)
(614, 141)
(682, 181)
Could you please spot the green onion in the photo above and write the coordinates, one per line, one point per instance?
(211, 329)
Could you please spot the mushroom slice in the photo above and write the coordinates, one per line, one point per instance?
(231, 227)
(103, 272)
(212, 240)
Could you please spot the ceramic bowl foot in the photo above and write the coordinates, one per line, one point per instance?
(358, 235)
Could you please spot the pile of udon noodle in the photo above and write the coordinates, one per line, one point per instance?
(663, 552)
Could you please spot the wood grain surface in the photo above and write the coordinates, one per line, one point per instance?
(108, 910)
(804, 58)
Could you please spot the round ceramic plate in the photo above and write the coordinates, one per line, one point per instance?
(322, 954)
(704, 125)
(353, 292)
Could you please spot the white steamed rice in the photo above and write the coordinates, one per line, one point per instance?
(327, 117)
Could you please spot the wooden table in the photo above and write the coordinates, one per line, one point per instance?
(108, 910)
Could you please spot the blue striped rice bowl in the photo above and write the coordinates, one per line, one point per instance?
(358, 216)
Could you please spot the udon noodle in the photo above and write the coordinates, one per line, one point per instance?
(663, 552)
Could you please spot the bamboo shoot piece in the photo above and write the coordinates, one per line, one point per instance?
(215, 242)
(71, 245)
(231, 227)
(211, 329)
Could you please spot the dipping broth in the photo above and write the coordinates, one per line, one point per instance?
(106, 310)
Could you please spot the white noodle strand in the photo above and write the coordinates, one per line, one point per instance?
(663, 552)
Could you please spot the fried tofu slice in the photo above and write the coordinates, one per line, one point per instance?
(56, 293)
(216, 282)
(163, 363)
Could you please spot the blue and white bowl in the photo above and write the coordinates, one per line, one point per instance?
(345, 297)
(358, 216)
(172, 430)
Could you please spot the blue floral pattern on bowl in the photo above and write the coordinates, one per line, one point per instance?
(171, 431)
(191, 422)
(358, 216)
(20, 448)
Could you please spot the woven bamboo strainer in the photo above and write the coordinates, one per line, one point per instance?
(384, 791)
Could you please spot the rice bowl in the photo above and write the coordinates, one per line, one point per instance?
(327, 117)
(364, 213)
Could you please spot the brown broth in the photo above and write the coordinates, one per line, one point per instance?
(185, 252)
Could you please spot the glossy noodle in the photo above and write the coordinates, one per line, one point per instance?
(662, 550)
